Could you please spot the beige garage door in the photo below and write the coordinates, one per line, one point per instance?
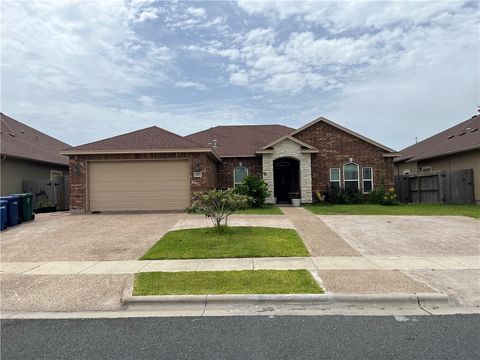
(139, 185)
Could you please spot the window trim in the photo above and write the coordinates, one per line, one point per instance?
(339, 181)
(428, 168)
(363, 179)
(358, 175)
(235, 183)
(406, 172)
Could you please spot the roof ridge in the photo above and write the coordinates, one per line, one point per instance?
(3, 115)
(134, 132)
(446, 131)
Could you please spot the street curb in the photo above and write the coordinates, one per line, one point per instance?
(198, 301)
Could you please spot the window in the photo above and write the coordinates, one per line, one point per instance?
(367, 178)
(427, 169)
(239, 173)
(54, 174)
(406, 172)
(350, 177)
(335, 179)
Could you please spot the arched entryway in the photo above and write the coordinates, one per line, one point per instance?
(286, 177)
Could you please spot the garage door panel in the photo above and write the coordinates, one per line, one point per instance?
(139, 185)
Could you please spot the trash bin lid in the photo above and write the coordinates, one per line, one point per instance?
(20, 195)
(9, 197)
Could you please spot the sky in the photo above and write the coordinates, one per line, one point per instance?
(86, 70)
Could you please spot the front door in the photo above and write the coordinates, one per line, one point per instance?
(286, 179)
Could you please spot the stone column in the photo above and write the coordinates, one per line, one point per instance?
(306, 178)
(267, 164)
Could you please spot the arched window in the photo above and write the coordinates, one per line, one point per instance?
(239, 173)
(350, 177)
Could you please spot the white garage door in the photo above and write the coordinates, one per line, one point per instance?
(139, 185)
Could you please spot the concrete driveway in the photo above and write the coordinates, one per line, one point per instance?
(441, 238)
(62, 236)
(408, 235)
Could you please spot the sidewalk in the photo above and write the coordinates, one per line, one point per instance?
(283, 263)
(317, 236)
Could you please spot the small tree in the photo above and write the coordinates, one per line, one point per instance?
(218, 205)
(256, 188)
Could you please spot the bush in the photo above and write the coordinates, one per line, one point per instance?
(389, 198)
(218, 205)
(376, 195)
(256, 188)
(381, 195)
(353, 197)
(334, 195)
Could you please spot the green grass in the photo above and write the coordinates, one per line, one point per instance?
(264, 210)
(404, 209)
(226, 282)
(233, 242)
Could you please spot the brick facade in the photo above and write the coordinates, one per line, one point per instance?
(78, 172)
(336, 147)
(225, 169)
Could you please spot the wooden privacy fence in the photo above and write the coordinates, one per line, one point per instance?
(440, 187)
(53, 192)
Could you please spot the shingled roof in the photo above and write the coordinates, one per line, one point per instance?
(239, 140)
(149, 139)
(461, 137)
(22, 141)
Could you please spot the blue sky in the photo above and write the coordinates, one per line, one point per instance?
(82, 71)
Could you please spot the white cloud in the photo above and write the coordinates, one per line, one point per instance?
(197, 12)
(342, 15)
(190, 84)
(148, 14)
(239, 78)
(63, 48)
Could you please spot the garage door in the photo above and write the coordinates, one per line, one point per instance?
(139, 185)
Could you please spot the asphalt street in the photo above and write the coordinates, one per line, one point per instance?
(256, 337)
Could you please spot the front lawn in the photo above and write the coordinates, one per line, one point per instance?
(226, 282)
(403, 209)
(264, 210)
(233, 242)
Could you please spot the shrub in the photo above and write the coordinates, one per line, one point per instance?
(390, 198)
(382, 196)
(334, 195)
(254, 187)
(376, 195)
(218, 205)
(353, 197)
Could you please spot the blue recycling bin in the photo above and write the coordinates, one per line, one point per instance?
(12, 209)
(3, 214)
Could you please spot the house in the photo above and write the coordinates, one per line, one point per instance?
(153, 169)
(28, 154)
(456, 148)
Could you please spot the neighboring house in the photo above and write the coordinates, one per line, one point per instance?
(456, 148)
(28, 154)
(153, 169)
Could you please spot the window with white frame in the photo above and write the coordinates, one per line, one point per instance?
(406, 172)
(335, 179)
(426, 169)
(239, 173)
(351, 181)
(367, 178)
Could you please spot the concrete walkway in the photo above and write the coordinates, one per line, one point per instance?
(317, 236)
(311, 263)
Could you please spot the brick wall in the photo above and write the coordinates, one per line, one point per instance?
(225, 169)
(78, 172)
(335, 148)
